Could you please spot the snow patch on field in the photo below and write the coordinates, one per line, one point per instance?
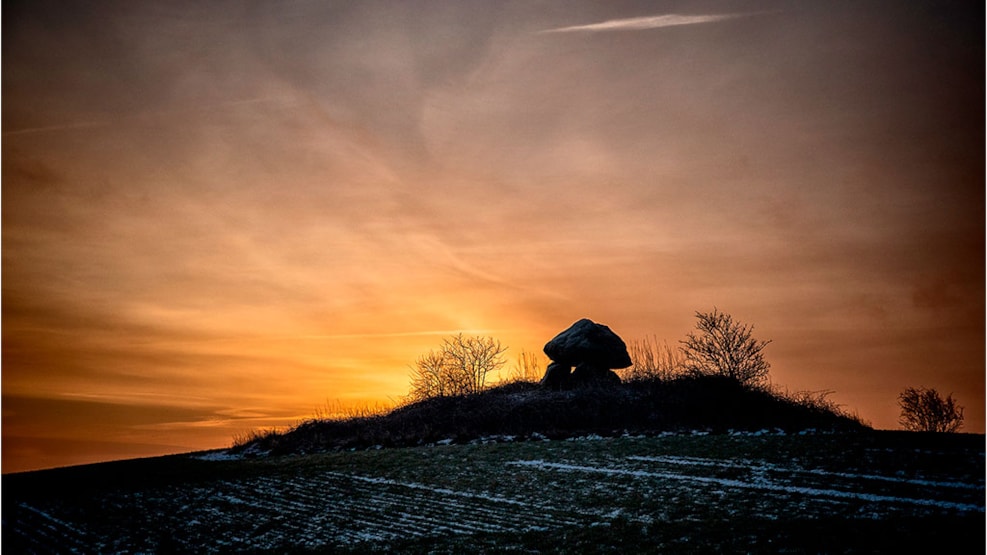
(690, 461)
(219, 456)
(759, 483)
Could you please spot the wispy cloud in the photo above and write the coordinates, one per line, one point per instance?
(646, 22)
(59, 127)
(405, 334)
(142, 115)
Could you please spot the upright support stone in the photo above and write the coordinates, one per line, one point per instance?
(557, 376)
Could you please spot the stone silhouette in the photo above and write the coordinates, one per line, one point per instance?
(557, 376)
(593, 349)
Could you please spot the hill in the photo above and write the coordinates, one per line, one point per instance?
(524, 410)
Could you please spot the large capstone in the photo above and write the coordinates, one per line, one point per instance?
(588, 343)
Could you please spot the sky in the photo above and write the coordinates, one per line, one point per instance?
(226, 216)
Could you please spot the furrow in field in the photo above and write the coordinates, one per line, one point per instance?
(759, 484)
(419, 506)
(297, 496)
(493, 505)
(44, 531)
(795, 471)
(521, 504)
(32, 535)
(289, 499)
(416, 506)
(341, 502)
(427, 515)
(196, 517)
(478, 512)
(373, 512)
(797, 479)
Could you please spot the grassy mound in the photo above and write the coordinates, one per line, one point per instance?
(524, 410)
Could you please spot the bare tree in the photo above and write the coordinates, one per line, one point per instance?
(925, 410)
(429, 376)
(459, 367)
(652, 360)
(472, 358)
(723, 347)
(529, 367)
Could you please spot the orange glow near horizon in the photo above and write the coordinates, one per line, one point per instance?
(216, 221)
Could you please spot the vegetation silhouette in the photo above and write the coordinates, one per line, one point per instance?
(523, 410)
(722, 346)
(459, 367)
(925, 410)
(528, 367)
(652, 360)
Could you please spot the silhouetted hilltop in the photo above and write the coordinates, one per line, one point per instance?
(525, 410)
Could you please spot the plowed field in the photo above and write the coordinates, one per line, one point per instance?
(669, 493)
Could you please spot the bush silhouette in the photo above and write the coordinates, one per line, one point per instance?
(925, 410)
(724, 347)
(459, 367)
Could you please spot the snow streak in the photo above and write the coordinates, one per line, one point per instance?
(760, 484)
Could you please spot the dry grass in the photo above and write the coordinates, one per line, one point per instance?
(653, 359)
(337, 410)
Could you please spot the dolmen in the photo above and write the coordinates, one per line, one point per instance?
(592, 349)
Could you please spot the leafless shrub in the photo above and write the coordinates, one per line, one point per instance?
(459, 367)
(723, 347)
(925, 410)
(430, 376)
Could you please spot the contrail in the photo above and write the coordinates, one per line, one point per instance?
(646, 22)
